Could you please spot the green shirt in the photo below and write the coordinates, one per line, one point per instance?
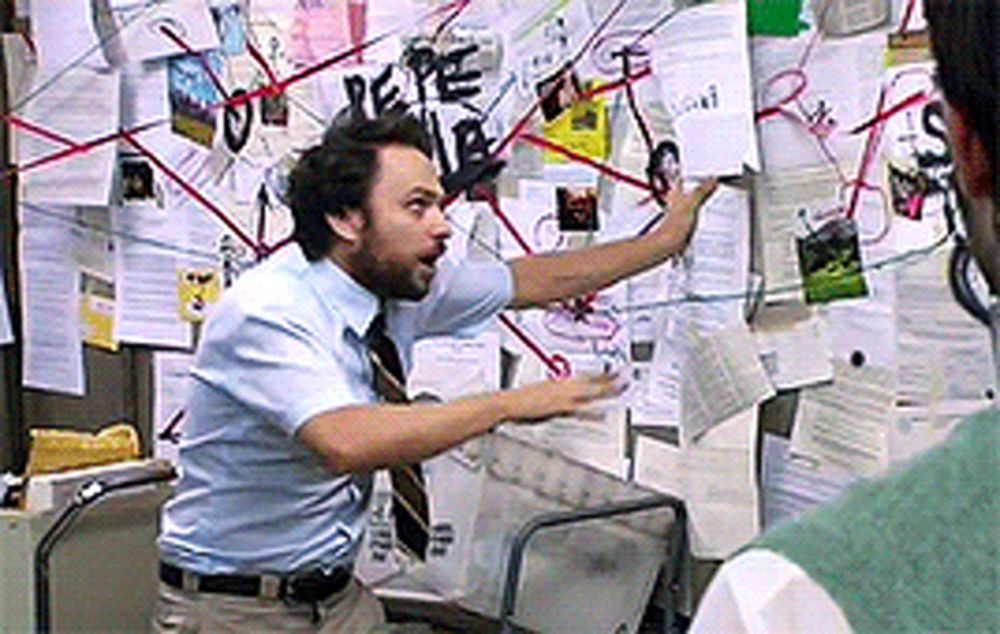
(916, 551)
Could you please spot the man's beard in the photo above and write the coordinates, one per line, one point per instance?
(389, 280)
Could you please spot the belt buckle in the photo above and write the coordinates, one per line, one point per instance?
(308, 586)
(270, 586)
(189, 581)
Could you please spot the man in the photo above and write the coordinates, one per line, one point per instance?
(918, 551)
(284, 427)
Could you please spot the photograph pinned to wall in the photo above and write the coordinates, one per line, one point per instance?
(918, 163)
(274, 110)
(229, 20)
(908, 189)
(558, 92)
(664, 169)
(576, 208)
(197, 290)
(192, 96)
(830, 261)
(138, 186)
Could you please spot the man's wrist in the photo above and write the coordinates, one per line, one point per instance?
(669, 238)
(506, 406)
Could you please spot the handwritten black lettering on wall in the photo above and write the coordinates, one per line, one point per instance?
(454, 83)
(933, 122)
(706, 99)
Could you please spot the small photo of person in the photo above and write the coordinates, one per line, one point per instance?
(274, 110)
(558, 92)
(137, 180)
(665, 165)
(576, 208)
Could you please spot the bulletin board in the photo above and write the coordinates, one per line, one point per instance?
(152, 141)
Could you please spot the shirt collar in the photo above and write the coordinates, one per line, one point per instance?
(342, 294)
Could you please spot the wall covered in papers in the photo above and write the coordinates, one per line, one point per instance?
(153, 140)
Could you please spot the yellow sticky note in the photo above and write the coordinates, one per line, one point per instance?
(582, 128)
(97, 311)
(197, 290)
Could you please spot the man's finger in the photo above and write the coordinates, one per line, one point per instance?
(704, 190)
(602, 385)
(675, 194)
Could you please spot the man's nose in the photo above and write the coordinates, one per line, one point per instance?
(440, 227)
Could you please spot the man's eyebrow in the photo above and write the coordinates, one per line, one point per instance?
(437, 195)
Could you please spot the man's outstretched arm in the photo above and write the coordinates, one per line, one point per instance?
(542, 279)
(366, 437)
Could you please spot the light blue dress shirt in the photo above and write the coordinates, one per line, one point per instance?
(284, 344)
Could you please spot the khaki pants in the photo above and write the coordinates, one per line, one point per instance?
(353, 610)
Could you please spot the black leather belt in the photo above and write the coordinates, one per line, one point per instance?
(302, 587)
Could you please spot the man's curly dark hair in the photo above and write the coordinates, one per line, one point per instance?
(338, 174)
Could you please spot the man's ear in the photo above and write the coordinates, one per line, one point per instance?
(346, 226)
(972, 161)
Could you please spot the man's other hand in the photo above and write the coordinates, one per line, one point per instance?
(540, 401)
(682, 212)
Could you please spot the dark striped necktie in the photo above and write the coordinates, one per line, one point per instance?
(409, 495)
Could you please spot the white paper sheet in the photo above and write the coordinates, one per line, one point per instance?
(721, 471)
(533, 214)
(714, 269)
(783, 202)
(863, 330)
(793, 345)
(596, 437)
(53, 350)
(845, 425)
(715, 477)
(64, 35)
(792, 485)
(658, 399)
(147, 278)
(716, 263)
(171, 382)
(141, 26)
(20, 66)
(841, 82)
(659, 465)
(144, 97)
(722, 376)
(448, 367)
(916, 430)
(944, 351)
(81, 106)
(702, 64)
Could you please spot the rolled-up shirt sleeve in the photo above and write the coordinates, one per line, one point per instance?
(285, 372)
(464, 297)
